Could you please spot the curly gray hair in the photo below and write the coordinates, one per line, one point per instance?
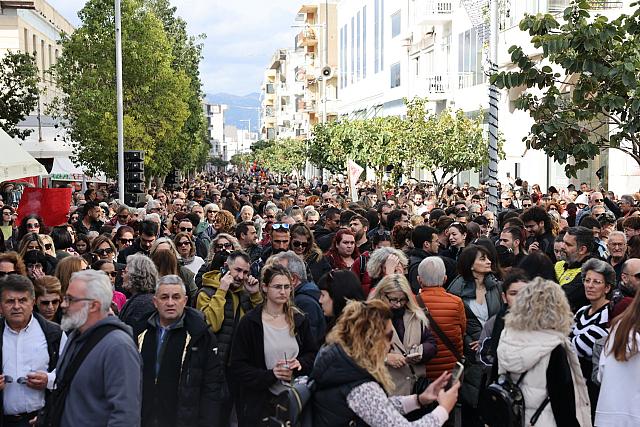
(601, 267)
(142, 273)
(379, 257)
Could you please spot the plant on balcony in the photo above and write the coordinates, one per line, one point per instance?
(18, 91)
(588, 97)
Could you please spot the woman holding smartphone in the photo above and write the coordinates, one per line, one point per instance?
(273, 344)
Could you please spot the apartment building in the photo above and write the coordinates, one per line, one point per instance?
(215, 128)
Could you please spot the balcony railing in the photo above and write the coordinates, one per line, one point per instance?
(438, 83)
(469, 79)
(431, 8)
(556, 6)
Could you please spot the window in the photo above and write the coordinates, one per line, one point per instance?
(395, 24)
(364, 42)
(344, 56)
(358, 46)
(26, 40)
(342, 64)
(470, 59)
(353, 41)
(416, 65)
(378, 30)
(395, 75)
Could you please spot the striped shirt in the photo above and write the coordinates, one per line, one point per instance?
(588, 329)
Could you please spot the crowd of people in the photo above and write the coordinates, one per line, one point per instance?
(202, 304)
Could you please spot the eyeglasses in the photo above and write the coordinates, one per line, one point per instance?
(281, 287)
(280, 225)
(184, 243)
(224, 245)
(52, 302)
(298, 244)
(594, 281)
(7, 273)
(68, 299)
(48, 246)
(598, 200)
(402, 300)
(31, 226)
(126, 241)
(186, 229)
(103, 252)
(271, 217)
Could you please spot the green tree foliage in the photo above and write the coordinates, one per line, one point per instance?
(282, 156)
(588, 97)
(18, 91)
(156, 95)
(445, 144)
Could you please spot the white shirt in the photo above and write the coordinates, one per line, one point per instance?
(22, 352)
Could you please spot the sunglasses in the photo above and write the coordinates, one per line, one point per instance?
(48, 246)
(297, 244)
(280, 225)
(52, 302)
(186, 229)
(32, 226)
(7, 273)
(103, 252)
(184, 243)
(598, 200)
(224, 245)
(126, 241)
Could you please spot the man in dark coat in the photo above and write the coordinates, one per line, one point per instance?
(183, 381)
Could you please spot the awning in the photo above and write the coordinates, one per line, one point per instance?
(16, 162)
(64, 170)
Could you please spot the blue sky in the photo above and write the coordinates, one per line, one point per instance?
(241, 37)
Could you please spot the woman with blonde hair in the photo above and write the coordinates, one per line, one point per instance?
(535, 343)
(304, 245)
(186, 247)
(353, 382)
(224, 222)
(66, 267)
(412, 345)
(272, 345)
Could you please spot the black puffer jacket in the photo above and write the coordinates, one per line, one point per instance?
(248, 373)
(136, 311)
(185, 393)
(335, 374)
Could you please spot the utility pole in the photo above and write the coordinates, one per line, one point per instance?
(493, 109)
(119, 102)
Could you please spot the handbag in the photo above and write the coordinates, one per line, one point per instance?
(436, 328)
(420, 384)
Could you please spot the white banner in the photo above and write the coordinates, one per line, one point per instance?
(354, 171)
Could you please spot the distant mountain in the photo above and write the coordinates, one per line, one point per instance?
(240, 108)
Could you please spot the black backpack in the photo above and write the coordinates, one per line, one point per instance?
(292, 407)
(502, 404)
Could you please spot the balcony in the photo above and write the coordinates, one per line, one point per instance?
(306, 38)
(432, 10)
(558, 6)
(468, 79)
(438, 83)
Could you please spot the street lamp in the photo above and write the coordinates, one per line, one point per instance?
(119, 112)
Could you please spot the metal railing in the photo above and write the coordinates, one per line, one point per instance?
(438, 83)
(558, 6)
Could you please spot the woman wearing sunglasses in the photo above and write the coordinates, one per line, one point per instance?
(304, 245)
(272, 345)
(352, 378)
(108, 268)
(187, 250)
(31, 224)
(48, 298)
(412, 345)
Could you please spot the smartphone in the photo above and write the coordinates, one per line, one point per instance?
(456, 374)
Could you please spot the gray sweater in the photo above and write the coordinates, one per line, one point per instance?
(107, 389)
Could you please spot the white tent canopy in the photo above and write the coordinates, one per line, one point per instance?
(15, 162)
(64, 170)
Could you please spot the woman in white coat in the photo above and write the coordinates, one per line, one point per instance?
(535, 343)
(619, 372)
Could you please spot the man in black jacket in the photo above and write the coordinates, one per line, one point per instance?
(183, 381)
(148, 235)
(29, 349)
(425, 244)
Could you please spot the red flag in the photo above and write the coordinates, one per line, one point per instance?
(52, 204)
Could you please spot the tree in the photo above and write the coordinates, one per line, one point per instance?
(445, 144)
(282, 156)
(587, 75)
(18, 91)
(156, 96)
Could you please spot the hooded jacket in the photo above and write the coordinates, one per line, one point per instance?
(187, 386)
(223, 309)
(530, 351)
(106, 389)
(335, 374)
(307, 299)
